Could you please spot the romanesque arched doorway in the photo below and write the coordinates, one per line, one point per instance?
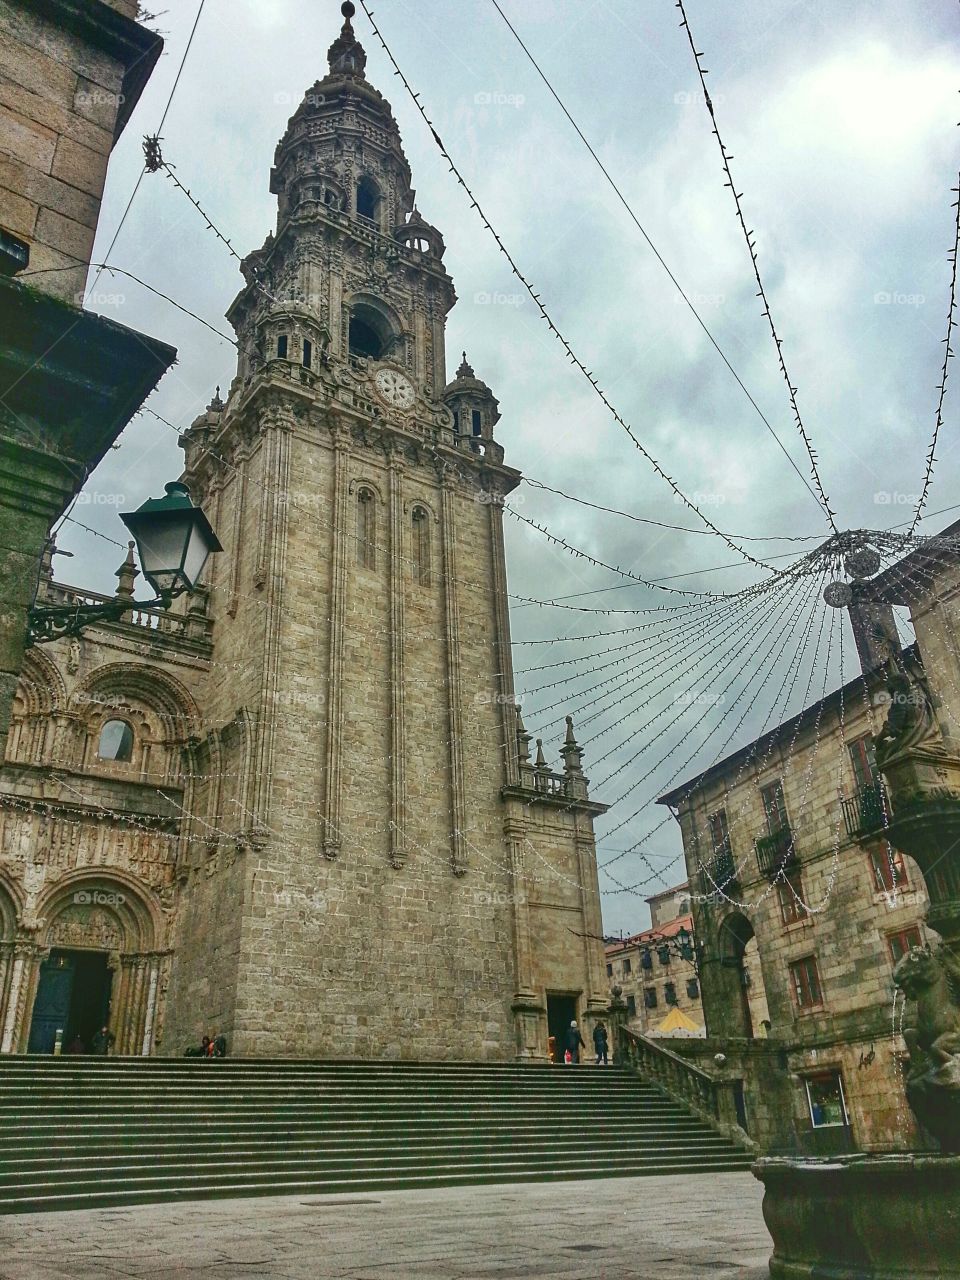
(96, 969)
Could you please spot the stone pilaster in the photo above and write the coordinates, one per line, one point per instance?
(448, 535)
(338, 596)
(397, 722)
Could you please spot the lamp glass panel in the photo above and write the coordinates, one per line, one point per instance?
(198, 548)
(161, 548)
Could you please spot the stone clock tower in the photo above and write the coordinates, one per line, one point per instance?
(373, 866)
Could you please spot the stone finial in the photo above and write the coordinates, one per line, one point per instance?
(216, 404)
(127, 574)
(346, 55)
(523, 738)
(541, 760)
(572, 754)
(46, 558)
(465, 370)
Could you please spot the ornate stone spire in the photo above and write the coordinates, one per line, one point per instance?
(346, 55)
(523, 739)
(465, 370)
(127, 575)
(572, 754)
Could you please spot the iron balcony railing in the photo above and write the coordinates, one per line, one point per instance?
(776, 853)
(720, 873)
(865, 812)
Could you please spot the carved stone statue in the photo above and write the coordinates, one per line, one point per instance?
(911, 720)
(932, 980)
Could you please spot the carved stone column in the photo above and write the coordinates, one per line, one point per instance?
(617, 1017)
(151, 1009)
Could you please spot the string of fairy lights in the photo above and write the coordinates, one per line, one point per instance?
(768, 627)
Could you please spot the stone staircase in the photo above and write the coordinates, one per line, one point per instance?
(85, 1132)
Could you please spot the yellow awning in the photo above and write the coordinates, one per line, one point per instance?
(677, 1020)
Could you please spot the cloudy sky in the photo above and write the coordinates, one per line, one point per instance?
(842, 121)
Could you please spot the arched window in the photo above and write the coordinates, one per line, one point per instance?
(368, 199)
(116, 741)
(421, 546)
(366, 529)
(364, 339)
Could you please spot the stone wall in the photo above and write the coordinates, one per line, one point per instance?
(60, 94)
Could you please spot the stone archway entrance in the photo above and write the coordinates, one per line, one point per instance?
(94, 966)
(72, 1001)
(744, 1004)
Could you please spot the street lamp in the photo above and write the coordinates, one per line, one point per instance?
(174, 539)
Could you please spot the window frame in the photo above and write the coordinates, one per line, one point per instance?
(132, 741)
(670, 996)
(790, 899)
(896, 938)
(631, 1006)
(832, 1073)
(882, 871)
(776, 809)
(801, 968)
(627, 966)
(650, 997)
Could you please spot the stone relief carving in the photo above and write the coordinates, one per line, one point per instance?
(83, 926)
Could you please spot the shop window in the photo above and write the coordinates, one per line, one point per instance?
(902, 942)
(790, 895)
(806, 983)
(116, 741)
(887, 866)
(825, 1098)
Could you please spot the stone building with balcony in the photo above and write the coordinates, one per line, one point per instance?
(656, 969)
(301, 809)
(802, 908)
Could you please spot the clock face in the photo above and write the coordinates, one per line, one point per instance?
(395, 388)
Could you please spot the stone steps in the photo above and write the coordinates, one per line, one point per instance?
(84, 1132)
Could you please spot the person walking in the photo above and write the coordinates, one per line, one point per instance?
(600, 1043)
(574, 1042)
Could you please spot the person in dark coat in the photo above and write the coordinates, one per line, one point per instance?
(574, 1042)
(101, 1042)
(600, 1043)
(219, 1045)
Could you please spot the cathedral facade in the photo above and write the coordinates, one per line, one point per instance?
(301, 809)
